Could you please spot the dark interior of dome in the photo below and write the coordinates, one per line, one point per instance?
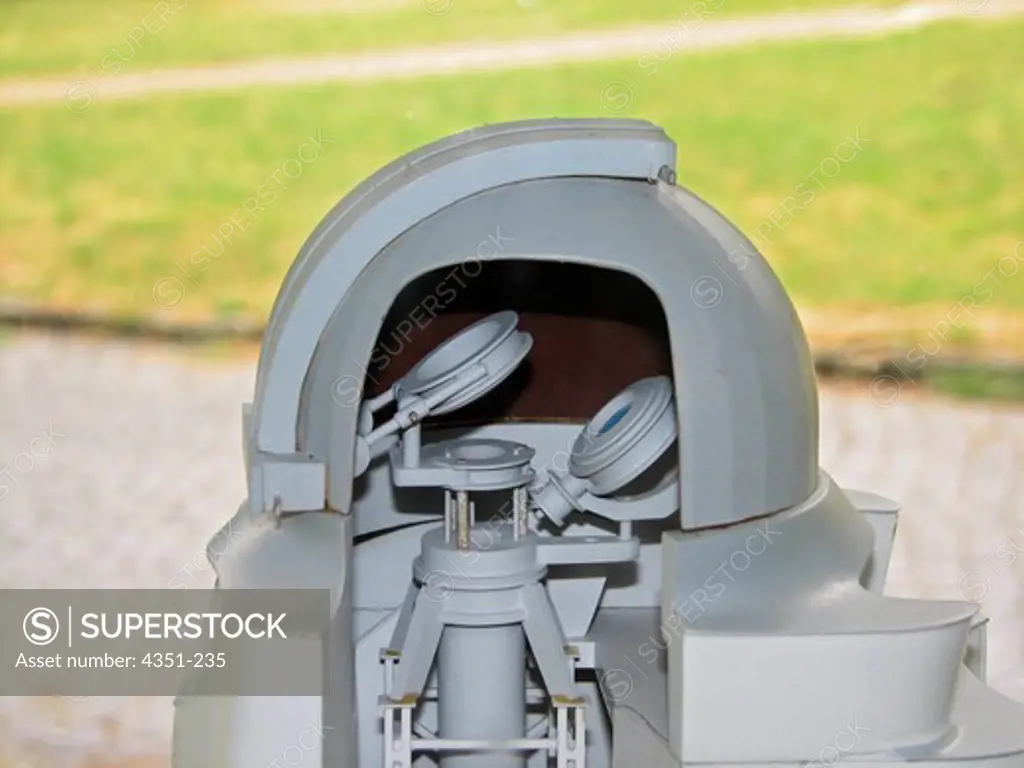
(595, 332)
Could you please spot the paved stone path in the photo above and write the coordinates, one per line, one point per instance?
(123, 460)
(689, 32)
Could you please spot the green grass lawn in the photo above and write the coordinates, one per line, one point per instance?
(57, 36)
(979, 383)
(100, 206)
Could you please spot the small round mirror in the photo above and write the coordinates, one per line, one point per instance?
(627, 436)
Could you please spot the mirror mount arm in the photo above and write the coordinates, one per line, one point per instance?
(411, 411)
(562, 494)
(656, 504)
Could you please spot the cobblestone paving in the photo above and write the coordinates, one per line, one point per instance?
(121, 461)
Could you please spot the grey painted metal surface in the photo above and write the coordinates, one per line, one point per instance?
(583, 192)
(743, 350)
(729, 384)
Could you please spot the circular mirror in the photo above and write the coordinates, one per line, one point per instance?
(626, 436)
(493, 343)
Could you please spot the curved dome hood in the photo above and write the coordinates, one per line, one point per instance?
(593, 192)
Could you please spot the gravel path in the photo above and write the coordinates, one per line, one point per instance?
(144, 463)
(689, 32)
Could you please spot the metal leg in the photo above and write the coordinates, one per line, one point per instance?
(544, 633)
(449, 516)
(571, 751)
(417, 657)
(398, 747)
(462, 531)
(520, 506)
(401, 631)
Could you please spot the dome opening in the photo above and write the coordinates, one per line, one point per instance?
(595, 332)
